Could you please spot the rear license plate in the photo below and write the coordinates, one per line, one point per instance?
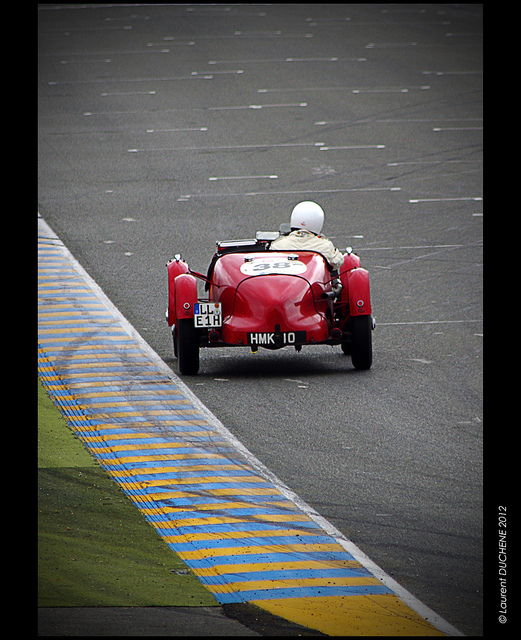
(272, 339)
(207, 315)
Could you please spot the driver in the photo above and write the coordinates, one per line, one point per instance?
(307, 219)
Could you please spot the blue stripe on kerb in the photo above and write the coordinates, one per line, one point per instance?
(267, 557)
(178, 518)
(296, 574)
(301, 592)
(231, 544)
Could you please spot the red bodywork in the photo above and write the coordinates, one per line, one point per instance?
(271, 298)
(261, 303)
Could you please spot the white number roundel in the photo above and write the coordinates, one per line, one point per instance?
(272, 264)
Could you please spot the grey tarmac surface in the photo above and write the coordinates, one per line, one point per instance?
(230, 620)
(137, 621)
(161, 128)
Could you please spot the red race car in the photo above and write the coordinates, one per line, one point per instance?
(258, 297)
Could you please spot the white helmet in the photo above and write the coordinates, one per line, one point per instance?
(307, 215)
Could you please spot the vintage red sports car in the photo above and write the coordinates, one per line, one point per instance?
(256, 297)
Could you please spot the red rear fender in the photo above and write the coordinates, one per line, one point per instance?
(351, 261)
(358, 292)
(175, 268)
(185, 295)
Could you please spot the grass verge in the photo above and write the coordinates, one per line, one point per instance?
(95, 549)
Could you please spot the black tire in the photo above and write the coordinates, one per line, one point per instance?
(187, 347)
(174, 340)
(361, 342)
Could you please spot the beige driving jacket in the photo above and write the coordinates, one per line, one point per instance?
(303, 240)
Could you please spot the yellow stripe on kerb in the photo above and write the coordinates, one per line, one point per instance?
(377, 615)
(222, 569)
(259, 549)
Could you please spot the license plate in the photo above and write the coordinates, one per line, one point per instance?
(272, 339)
(207, 315)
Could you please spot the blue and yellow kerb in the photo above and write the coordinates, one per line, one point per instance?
(237, 530)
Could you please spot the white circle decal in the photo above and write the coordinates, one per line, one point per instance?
(272, 264)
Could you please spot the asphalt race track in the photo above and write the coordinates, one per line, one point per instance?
(163, 128)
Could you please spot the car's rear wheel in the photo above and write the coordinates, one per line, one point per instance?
(361, 342)
(187, 347)
(174, 339)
